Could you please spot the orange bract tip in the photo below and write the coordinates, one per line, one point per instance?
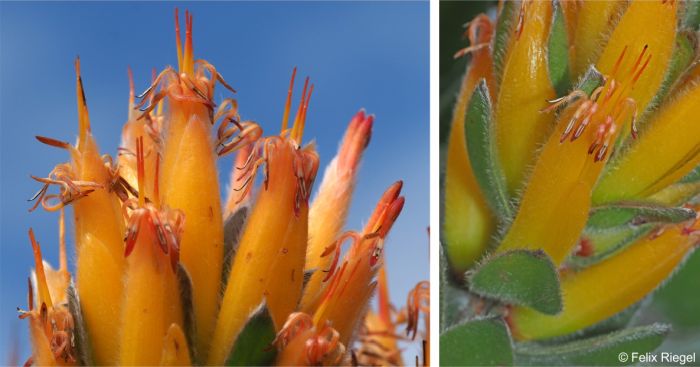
(83, 116)
(53, 142)
(40, 274)
(355, 141)
(387, 210)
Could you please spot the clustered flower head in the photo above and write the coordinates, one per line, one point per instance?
(167, 273)
(573, 145)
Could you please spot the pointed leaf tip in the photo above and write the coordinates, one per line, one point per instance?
(558, 48)
(481, 147)
(253, 346)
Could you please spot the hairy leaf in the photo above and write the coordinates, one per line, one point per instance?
(558, 48)
(482, 151)
(636, 214)
(614, 349)
(82, 339)
(186, 297)
(522, 277)
(453, 300)
(253, 346)
(476, 343)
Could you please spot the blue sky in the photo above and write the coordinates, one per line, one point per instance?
(363, 54)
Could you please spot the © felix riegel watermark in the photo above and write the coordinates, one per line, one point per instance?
(658, 358)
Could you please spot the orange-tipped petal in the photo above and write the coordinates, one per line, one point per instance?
(330, 207)
(270, 257)
(344, 302)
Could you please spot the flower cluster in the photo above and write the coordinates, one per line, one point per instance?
(572, 164)
(169, 273)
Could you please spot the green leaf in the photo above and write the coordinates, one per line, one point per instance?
(683, 55)
(476, 343)
(521, 277)
(233, 227)
(679, 299)
(693, 176)
(82, 338)
(454, 301)
(558, 52)
(187, 299)
(607, 242)
(691, 18)
(615, 349)
(253, 346)
(611, 228)
(507, 19)
(636, 214)
(591, 80)
(481, 147)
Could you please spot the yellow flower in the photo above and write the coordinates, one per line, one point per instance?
(330, 207)
(352, 283)
(571, 161)
(578, 135)
(89, 183)
(467, 219)
(51, 323)
(605, 289)
(150, 235)
(188, 147)
(151, 283)
(270, 258)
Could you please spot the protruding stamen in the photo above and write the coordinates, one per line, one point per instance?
(641, 70)
(298, 126)
(418, 300)
(178, 41)
(288, 104)
(141, 171)
(302, 120)
(188, 57)
(479, 32)
(467, 50)
(335, 248)
(619, 61)
(639, 60)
